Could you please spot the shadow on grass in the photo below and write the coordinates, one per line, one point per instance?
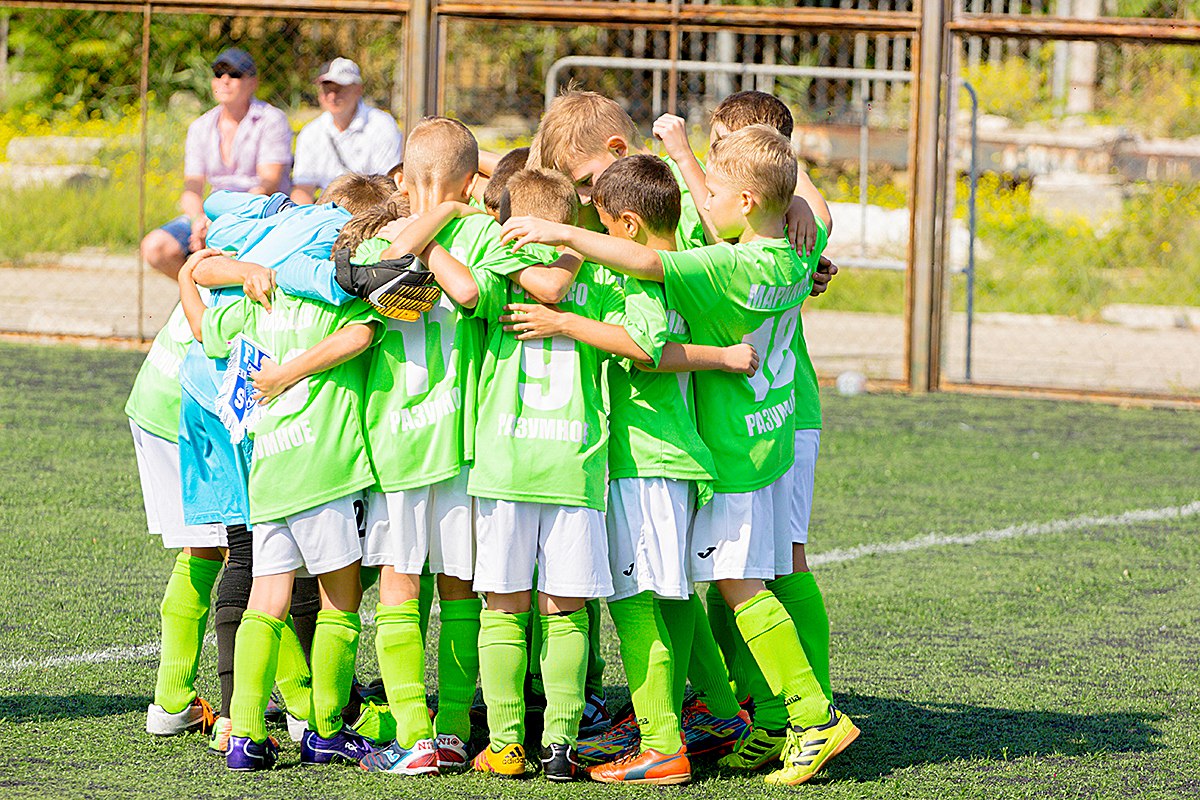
(49, 707)
(898, 734)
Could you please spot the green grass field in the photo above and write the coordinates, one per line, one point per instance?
(1054, 662)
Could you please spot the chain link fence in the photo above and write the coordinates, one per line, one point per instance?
(1071, 268)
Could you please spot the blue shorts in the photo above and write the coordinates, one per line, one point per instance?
(214, 471)
(180, 229)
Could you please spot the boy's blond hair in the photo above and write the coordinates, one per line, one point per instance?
(366, 224)
(544, 194)
(758, 159)
(440, 150)
(578, 125)
(753, 108)
(356, 192)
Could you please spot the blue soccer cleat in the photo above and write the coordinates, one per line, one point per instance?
(707, 735)
(422, 759)
(346, 746)
(246, 755)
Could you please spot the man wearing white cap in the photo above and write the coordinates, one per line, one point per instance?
(349, 137)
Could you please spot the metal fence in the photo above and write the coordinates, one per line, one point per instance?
(1070, 265)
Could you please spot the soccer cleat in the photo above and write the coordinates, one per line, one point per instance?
(295, 727)
(559, 763)
(420, 759)
(198, 716)
(247, 755)
(375, 722)
(508, 762)
(650, 766)
(218, 743)
(621, 739)
(595, 716)
(275, 709)
(705, 734)
(755, 750)
(345, 745)
(809, 749)
(451, 751)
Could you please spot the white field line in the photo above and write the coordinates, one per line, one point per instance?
(817, 559)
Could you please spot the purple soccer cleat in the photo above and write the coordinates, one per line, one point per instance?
(346, 745)
(246, 755)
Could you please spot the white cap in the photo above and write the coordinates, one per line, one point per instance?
(341, 71)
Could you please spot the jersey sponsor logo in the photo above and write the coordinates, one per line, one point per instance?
(763, 297)
(628, 571)
(772, 418)
(425, 414)
(283, 439)
(707, 553)
(164, 360)
(556, 430)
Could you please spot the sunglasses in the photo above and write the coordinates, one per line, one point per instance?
(221, 72)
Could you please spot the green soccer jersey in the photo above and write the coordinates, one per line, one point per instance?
(808, 393)
(309, 447)
(690, 232)
(421, 403)
(542, 434)
(154, 400)
(652, 428)
(731, 293)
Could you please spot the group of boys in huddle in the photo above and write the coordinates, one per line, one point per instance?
(582, 415)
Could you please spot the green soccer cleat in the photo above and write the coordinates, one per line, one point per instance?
(807, 750)
(755, 750)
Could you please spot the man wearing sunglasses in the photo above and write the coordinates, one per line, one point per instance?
(243, 145)
(349, 137)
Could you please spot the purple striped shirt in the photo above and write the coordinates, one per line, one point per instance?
(263, 137)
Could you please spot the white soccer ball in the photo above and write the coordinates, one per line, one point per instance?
(851, 383)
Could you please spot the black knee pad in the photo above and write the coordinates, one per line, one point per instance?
(233, 589)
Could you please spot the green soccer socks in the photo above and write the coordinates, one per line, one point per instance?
(255, 661)
(292, 675)
(771, 637)
(564, 659)
(503, 660)
(594, 681)
(802, 598)
(769, 711)
(458, 665)
(334, 647)
(646, 653)
(679, 618)
(184, 612)
(706, 670)
(401, 649)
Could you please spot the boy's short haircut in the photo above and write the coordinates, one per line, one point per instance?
(364, 225)
(544, 194)
(757, 158)
(401, 203)
(440, 149)
(356, 192)
(753, 108)
(578, 125)
(644, 185)
(398, 169)
(512, 162)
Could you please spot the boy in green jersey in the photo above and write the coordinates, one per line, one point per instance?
(750, 292)
(153, 411)
(306, 478)
(420, 420)
(539, 483)
(657, 467)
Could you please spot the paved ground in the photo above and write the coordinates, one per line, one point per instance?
(94, 295)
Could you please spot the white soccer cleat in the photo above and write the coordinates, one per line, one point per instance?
(198, 716)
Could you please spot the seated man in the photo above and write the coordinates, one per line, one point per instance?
(349, 137)
(243, 145)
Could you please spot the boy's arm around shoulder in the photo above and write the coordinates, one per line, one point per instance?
(337, 348)
(629, 258)
(536, 321)
(741, 358)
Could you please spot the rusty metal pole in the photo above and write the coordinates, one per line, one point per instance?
(420, 92)
(926, 265)
(144, 91)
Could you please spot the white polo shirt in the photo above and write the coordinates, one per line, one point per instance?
(371, 144)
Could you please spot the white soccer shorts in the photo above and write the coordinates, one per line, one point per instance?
(648, 521)
(567, 543)
(435, 522)
(158, 468)
(744, 535)
(319, 540)
(808, 443)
